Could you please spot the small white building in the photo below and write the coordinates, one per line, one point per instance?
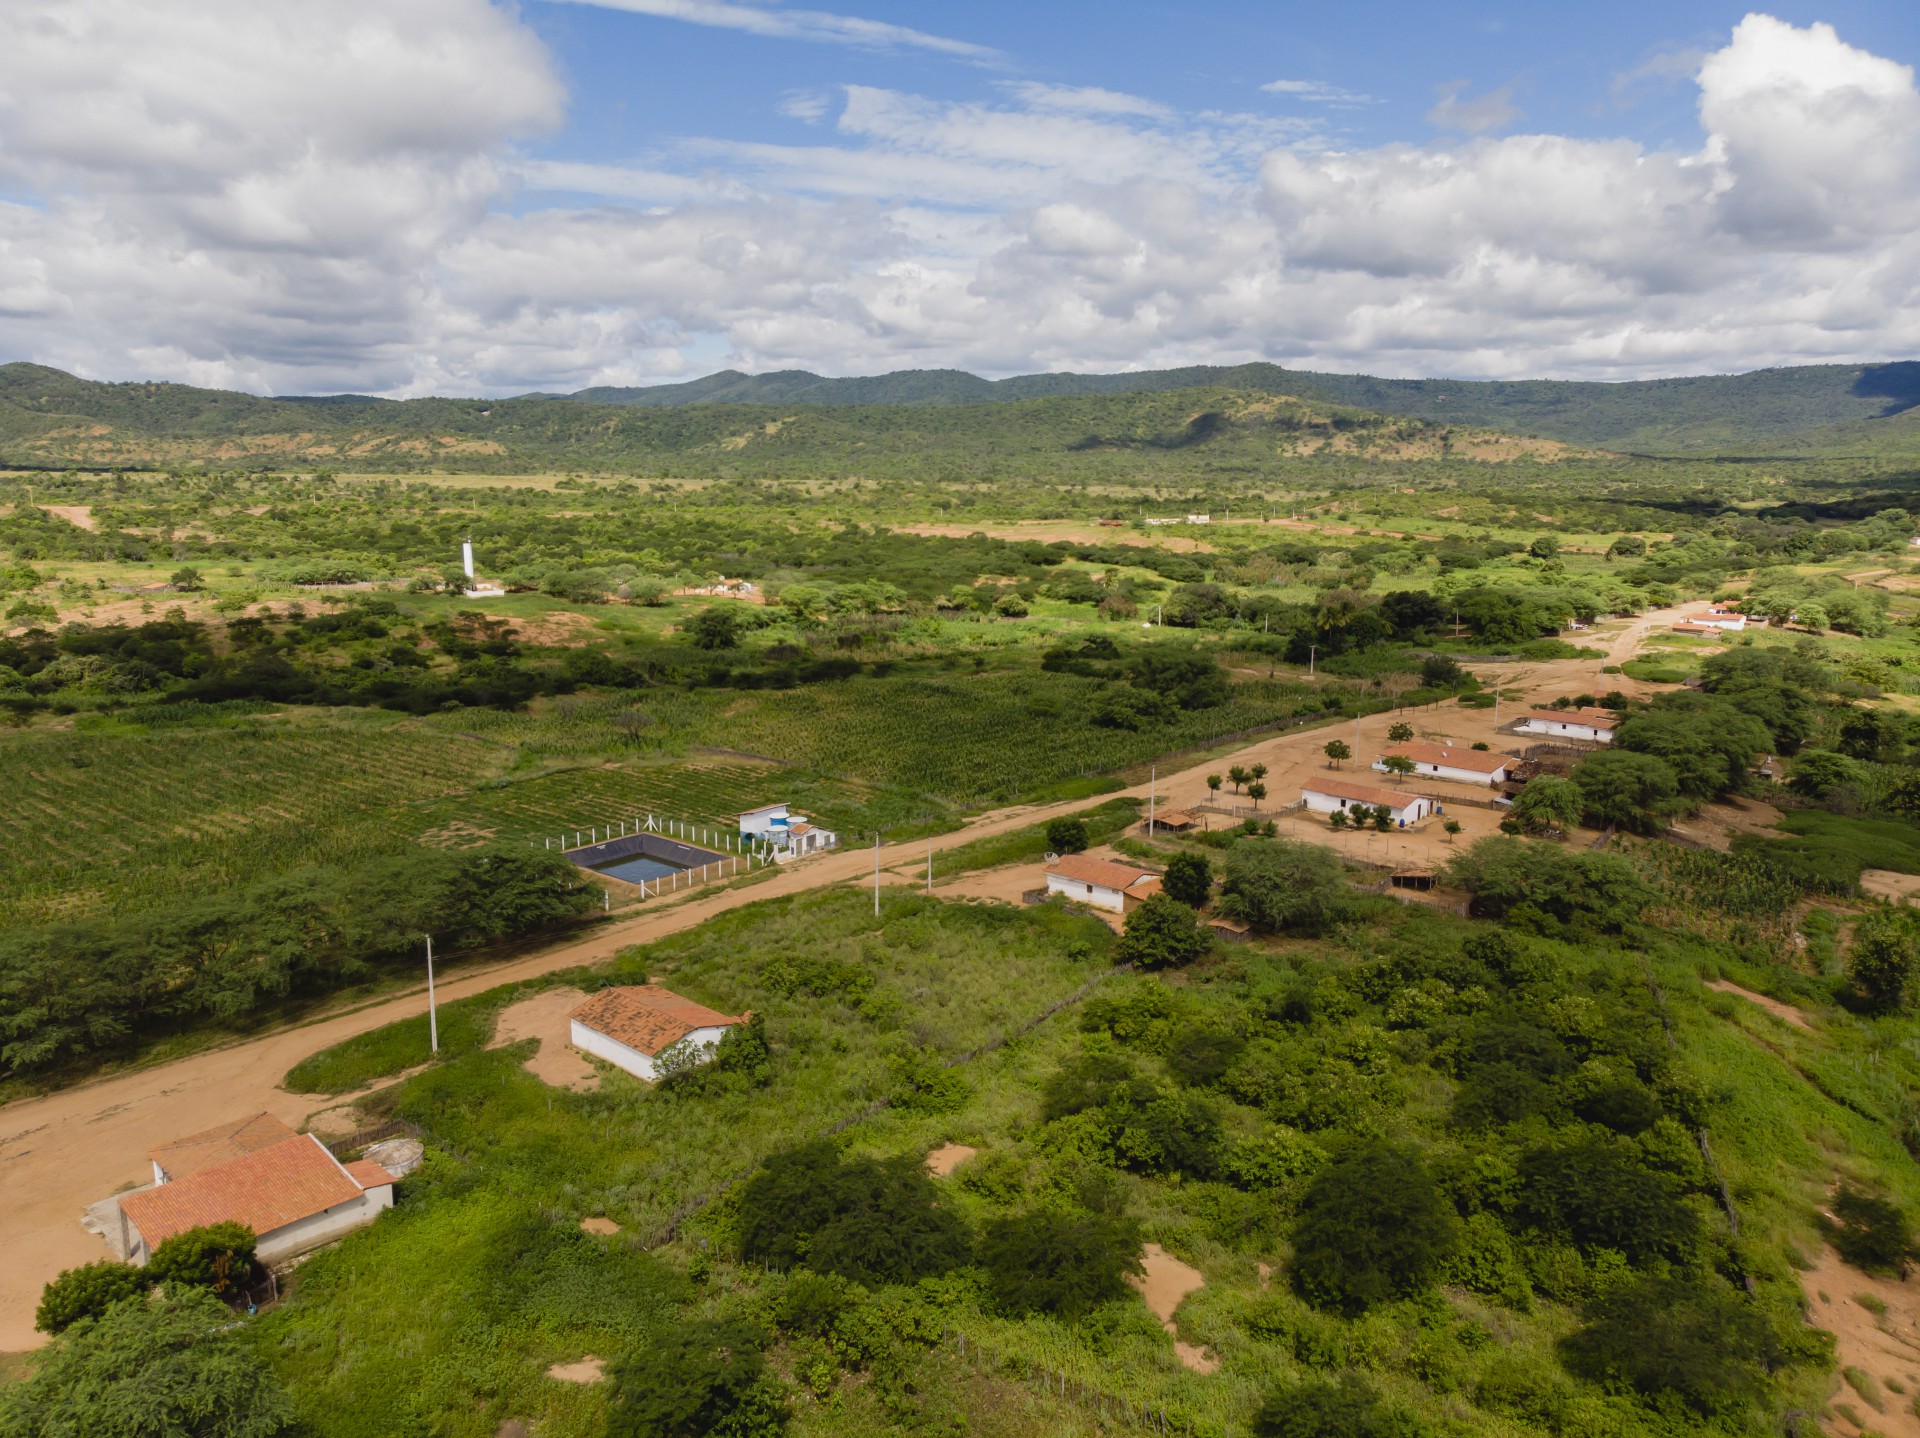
(1440, 761)
(1103, 883)
(1717, 616)
(632, 1027)
(1592, 726)
(1336, 796)
(286, 1187)
(788, 834)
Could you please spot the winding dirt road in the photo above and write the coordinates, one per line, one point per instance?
(62, 1151)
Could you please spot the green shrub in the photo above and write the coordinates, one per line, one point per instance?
(695, 1379)
(1162, 933)
(1870, 1233)
(869, 1220)
(217, 1257)
(1189, 878)
(1374, 1226)
(1596, 1192)
(1348, 1406)
(1066, 1264)
(1067, 836)
(168, 1366)
(1691, 1336)
(1280, 885)
(87, 1292)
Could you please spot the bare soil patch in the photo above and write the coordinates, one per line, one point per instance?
(1786, 1013)
(946, 1158)
(1886, 884)
(1884, 1345)
(561, 627)
(544, 1017)
(78, 515)
(1165, 1285)
(600, 1227)
(587, 1370)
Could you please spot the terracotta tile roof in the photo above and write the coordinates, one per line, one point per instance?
(1101, 873)
(1145, 889)
(1477, 761)
(1689, 627)
(266, 1190)
(1174, 818)
(1361, 793)
(230, 1140)
(647, 1018)
(367, 1173)
(1592, 718)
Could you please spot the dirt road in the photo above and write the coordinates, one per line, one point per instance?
(65, 1150)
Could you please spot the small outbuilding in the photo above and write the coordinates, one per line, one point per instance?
(786, 833)
(1172, 821)
(289, 1189)
(1337, 796)
(632, 1026)
(1103, 883)
(1441, 761)
(1589, 725)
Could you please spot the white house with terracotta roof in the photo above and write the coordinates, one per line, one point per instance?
(1103, 883)
(1715, 616)
(788, 834)
(1594, 726)
(1337, 796)
(632, 1027)
(285, 1186)
(1441, 761)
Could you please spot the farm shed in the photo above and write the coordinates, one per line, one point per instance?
(1333, 796)
(630, 1027)
(1104, 883)
(1593, 726)
(292, 1193)
(1439, 761)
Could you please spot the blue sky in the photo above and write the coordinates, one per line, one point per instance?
(483, 197)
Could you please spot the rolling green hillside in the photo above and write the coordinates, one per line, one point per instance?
(1742, 414)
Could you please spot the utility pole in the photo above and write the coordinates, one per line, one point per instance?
(929, 866)
(1153, 786)
(433, 1014)
(1313, 657)
(876, 876)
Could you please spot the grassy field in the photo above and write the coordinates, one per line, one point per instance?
(500, 1283)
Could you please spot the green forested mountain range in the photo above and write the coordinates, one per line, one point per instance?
(912, 420)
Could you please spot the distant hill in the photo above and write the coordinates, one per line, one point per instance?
(50, 417)
(1720, 414)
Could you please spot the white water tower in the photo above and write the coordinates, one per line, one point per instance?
(466, 558)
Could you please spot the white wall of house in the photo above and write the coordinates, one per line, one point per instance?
(1405, 811)
(1566, 729)
(623, 1056)
(1447, 771)
(1099, 895)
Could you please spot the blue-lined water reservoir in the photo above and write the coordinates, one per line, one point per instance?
(642, 858)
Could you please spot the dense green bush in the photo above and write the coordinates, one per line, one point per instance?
(1882, 958)
(1690, 1336)
(870, 1220)
(87, 1292)
(1508, 876)
(217, 1257)
(697, 1378)
(1870, 1232)
(1373, 1226)
(1066, 1264)
(1067, 836)
(1279, 885)
(1345, 1406)
(1162, 933)
(1189, 878)
(161, 1367)
(1597, 1192)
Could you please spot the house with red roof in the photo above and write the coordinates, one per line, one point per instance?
(632, 1026)
(1336, 796)
(1442, 761)
(285, 1186)
(1103, 883)
(1590, 725)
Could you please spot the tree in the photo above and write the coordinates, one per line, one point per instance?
(160, 1366)
(1621, 789)
(1452, 828)
(1258, 771)
(1871, 1233)
(1277, 884)
(1337, 819)
(1066, 1264)
(1010, 606)
(1399, 733)
(1816, 773)
(1346, 1406)
(1162, 933)
(1595, 1191)
(1872, 736)
(1382, 818)
(1708, 741)
(1373, 1226)
(1189, 878)
(1812, 616)
(871, 1221)
(1547, 803)
(1213, 783)
(1067, 836)
(87, 1292)
(1686, 1334)
(715, 627)
(1881, 960)
(1544, 547)
(1504, 875)
(1627, 546)
(697, 1378)
(1238, 774)
(1398, 765)
(1256, 792)
(187, 580)
(1336, 750)
(217, 1257)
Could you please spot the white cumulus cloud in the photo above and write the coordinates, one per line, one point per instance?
(302, 195)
